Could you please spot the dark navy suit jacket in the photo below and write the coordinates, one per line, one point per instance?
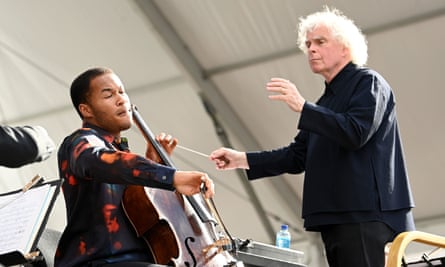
(349, 148)
(21, 145)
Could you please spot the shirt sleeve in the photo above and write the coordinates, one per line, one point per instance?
(288, 159)
(90, 157)
(24, 145)
(354, 126)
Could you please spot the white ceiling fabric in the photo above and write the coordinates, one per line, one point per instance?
(223, 52)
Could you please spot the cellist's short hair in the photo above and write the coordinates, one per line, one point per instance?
(342, 28)
(80, 87)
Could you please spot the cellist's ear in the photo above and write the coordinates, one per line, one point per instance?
(85, 110)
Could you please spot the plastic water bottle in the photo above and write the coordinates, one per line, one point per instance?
(283, 237)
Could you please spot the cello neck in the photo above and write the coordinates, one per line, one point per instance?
(195, 201)
(150, 137)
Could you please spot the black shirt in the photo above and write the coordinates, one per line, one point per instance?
(350, 150)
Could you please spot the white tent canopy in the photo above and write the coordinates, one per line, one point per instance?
(197, 69)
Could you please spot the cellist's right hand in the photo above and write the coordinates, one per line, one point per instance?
(189, 183)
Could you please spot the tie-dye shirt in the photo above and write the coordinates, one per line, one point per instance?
(96, 173)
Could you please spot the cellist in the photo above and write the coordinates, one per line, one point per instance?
(98, 166)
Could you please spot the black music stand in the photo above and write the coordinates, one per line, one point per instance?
(23, 217)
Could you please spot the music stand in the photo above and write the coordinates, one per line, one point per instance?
(23, 217)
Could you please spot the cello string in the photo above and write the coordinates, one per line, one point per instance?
(235, 192)
(193, 151)
(211, 205)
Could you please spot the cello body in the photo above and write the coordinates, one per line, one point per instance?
(176, 232)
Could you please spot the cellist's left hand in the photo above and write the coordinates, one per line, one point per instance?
(166, 141)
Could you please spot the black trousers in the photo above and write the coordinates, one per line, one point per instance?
(357, 244)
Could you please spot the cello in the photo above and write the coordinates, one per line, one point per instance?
(179, 230)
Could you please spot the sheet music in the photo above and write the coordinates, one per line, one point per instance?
(21, 215)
